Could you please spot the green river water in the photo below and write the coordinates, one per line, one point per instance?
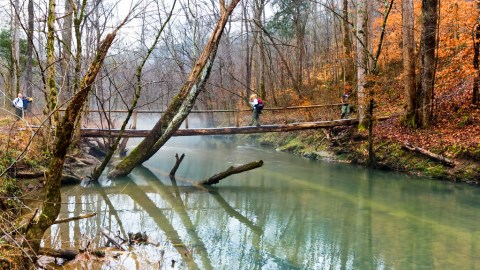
(292, 213)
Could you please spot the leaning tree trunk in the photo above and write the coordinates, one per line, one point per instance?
(428, 43)
(181, 105)
(52, 202)
(409, 62)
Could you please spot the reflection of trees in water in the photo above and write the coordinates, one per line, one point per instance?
(368, 224)
(178, 207)
(163, 223)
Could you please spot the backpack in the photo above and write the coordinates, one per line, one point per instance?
(260, 105)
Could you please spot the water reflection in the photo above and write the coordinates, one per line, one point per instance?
(290, 214)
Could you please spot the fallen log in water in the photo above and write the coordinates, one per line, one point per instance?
(110, 238)
(429, 154)
(231, 170)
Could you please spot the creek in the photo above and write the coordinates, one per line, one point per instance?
(292, 213)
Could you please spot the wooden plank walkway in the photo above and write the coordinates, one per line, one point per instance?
(131, 133)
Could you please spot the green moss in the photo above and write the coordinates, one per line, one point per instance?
(437, 171)
(409, 121)
(293, 145)
(465, 120)
(9, 192)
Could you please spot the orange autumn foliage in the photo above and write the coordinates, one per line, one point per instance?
(456, 121)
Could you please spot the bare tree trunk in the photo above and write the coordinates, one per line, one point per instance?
(64, 133)
(362, 61)
(67, 43)
(409, 61)
(248, 64)
(282, 59)
(300, 20)
(182, 103)
(428, 43)
(29, 67)
(15, 47)
(347, 44)
(259, 44)
(476, 54)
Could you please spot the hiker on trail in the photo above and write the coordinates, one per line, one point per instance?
(21, 105)
(345, 105)
(18, 104)
(26, 101)
(257, 105)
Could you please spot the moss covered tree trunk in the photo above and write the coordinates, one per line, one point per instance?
(52, 201)
(182, 103)
(51, 84)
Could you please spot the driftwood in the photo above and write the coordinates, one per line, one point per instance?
(63, 220)
(177, 163)
(231, 170)
(429, 154)
(111, 238)
(67, 254)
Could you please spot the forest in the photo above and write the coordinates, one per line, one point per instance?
(411, 69)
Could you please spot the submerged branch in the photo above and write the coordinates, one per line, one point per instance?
(231, 170)
(63, 220)
(177, 163)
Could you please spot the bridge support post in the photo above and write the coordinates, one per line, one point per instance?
(134, 119)
(237, 117)
(186, 122)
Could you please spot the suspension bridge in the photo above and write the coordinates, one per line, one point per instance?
(280, 119)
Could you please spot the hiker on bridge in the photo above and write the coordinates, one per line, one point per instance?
(344, 101)
(257, 106)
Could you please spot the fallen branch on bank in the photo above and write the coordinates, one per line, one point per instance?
(63, 220)
(177, 163)
(231, 170)
(429, 154)
(28, 175)
(67, 254)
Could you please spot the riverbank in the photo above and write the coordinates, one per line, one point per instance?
(348, 145)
